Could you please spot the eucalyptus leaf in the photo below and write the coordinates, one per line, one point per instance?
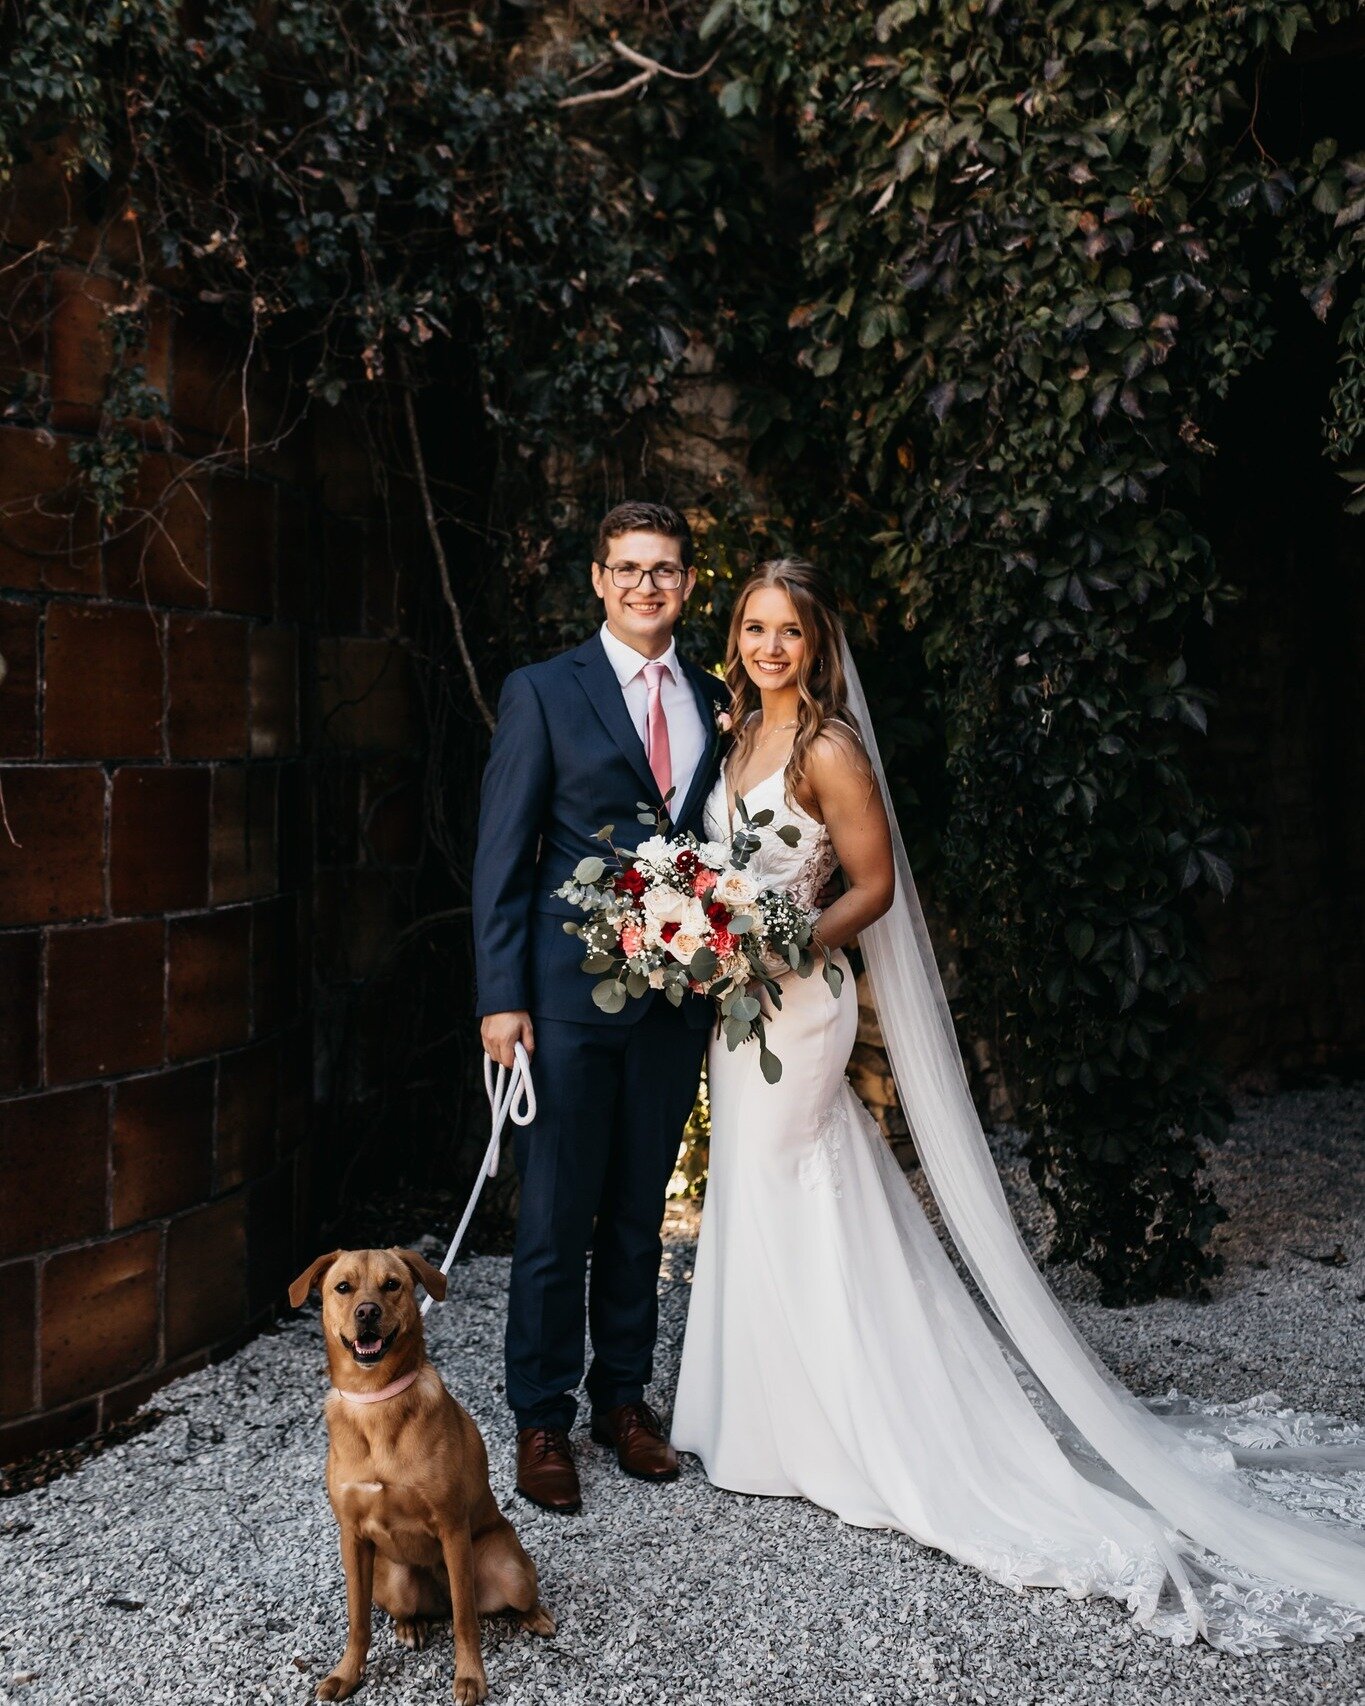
(609, 995)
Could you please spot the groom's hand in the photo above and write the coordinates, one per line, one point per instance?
(501, 1032)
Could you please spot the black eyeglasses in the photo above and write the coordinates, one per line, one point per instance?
(627, 576)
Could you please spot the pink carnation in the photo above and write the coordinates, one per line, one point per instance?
(632, 940)
(703, 882)
(721, 943)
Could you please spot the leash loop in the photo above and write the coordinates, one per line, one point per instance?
(510, 1095)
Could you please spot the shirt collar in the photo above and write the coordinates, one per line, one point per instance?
(628, 663)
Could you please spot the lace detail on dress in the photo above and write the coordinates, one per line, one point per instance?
(819, 1167)
(815, 873)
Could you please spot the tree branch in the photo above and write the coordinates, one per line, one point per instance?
(649, 70)
(442, 562)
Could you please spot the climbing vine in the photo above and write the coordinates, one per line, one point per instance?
(981, 274)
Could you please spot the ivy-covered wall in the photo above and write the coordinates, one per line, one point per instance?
(971, 283)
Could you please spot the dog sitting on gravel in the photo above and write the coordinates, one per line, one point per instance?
(407, 1474)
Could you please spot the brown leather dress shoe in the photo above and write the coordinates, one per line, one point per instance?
(545, 1470)
(642, 1447)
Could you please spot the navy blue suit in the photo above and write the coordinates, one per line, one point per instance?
(614, 1090)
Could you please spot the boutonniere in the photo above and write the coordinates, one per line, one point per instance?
(724, 722)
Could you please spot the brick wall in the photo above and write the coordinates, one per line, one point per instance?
(174, 692)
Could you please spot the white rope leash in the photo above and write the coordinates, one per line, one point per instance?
(509, 1093)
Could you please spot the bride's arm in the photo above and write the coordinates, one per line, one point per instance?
(843, 791)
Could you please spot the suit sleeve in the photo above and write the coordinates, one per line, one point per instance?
(516, 785)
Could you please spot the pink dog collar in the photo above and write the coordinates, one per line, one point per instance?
(390, 1391)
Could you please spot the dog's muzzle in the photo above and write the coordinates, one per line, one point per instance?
(370, 1349)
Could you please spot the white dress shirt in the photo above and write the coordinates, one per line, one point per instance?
(686, 731)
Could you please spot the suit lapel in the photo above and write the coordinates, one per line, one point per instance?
(704, 774)
(603, 691)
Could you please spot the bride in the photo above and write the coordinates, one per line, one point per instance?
(833, 1352)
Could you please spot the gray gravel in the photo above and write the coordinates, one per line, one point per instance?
(213, 1528)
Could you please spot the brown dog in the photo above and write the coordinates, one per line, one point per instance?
(407, 1474)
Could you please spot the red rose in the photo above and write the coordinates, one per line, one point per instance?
(687, 862)
(719, 915)
(630, 882)
(669, 931)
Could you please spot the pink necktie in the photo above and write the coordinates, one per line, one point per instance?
(656, 726)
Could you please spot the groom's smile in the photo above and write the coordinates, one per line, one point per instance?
(643, 586)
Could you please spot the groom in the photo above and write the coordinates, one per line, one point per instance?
(581, 740)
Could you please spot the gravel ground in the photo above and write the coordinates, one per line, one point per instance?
(198, 1561)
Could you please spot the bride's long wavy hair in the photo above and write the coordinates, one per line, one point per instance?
(820, 678)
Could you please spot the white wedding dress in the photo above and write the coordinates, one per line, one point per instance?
(834, 1353)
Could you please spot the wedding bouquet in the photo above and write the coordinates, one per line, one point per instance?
(680, 915)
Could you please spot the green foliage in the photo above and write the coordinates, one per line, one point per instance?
(1033, 264)
(982, 274)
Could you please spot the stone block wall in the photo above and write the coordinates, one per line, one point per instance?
(174, 690)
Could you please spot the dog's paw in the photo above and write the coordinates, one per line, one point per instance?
(410, 1632)
(340, 1685)
(470, 1690)
(538, 1620)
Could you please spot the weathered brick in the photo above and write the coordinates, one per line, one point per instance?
(209, 997)
(19, 689)
(20, 1440)
(243, 837)
(54, 865)
(208, 687)
(48, 530)
(19, 1341)
(54, 1159)
(159, 548)
(271, 1250)
(296, 1085)
(206, 399)
(205, 1275)
(80, 350)
(104, 999)
(295, 821)
(21, 959)
(353, 923)
(248, 1097)
(337, 805)
(274, 692)
(243, 547)
(159, 838)
(126, 1400)
(275, 963)
(100, 1315)
(340, 585)
(103, 687)
(24, 291)
(391, 813)
(344, 465)
(293, 591)
(162, 1142)
(366, 699)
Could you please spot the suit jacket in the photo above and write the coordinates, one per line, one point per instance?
(565, 761)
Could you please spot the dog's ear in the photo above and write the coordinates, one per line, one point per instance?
(310, 1276)
(421, 1269)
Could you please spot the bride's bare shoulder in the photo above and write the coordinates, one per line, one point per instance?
(838, 745)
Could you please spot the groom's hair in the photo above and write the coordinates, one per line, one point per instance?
(643, 518)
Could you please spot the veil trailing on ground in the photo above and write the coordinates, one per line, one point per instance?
(1243, 1567)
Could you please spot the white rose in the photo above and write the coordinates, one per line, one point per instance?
(666, 906)
(735, 890)
(694, 919)
(684, 944)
